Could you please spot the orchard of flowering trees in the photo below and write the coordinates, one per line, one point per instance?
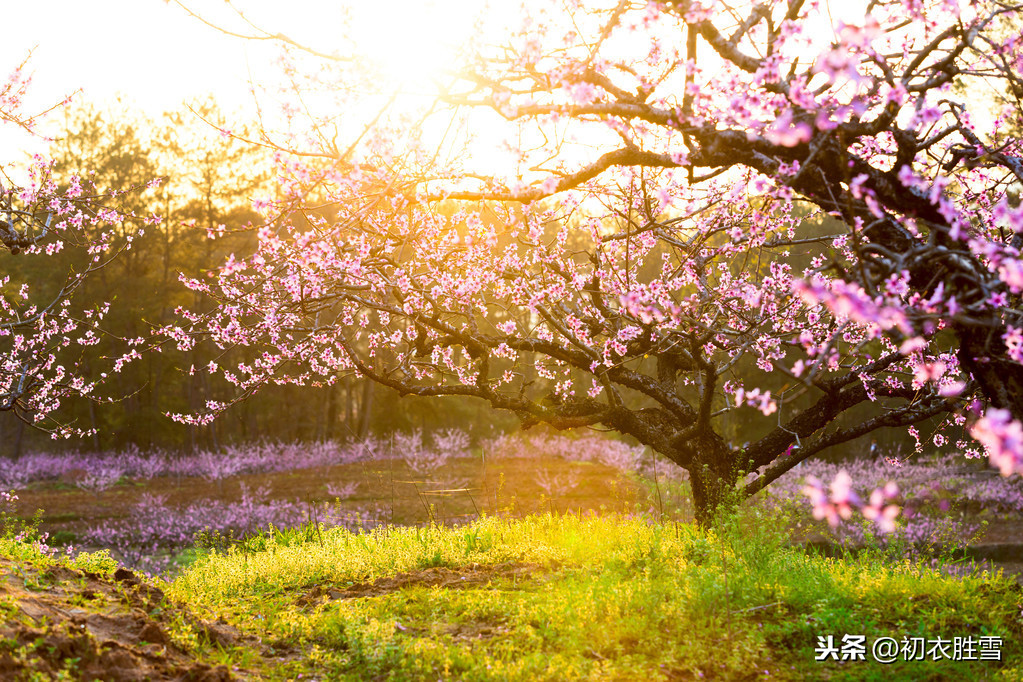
(742, 235)
(706, 216)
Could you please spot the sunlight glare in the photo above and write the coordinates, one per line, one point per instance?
(413, 42)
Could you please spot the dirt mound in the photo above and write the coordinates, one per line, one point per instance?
(61, 622)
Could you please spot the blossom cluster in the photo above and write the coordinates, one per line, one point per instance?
(1002, 438)
(938, 495)
(842, 500)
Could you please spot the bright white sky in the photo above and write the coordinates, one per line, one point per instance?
(148, 50)
(156, 56)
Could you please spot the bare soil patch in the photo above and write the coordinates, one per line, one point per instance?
(471, 576)
(90, 627)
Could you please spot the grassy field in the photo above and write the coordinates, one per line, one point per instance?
(556, 568)
(546, 597)
(569, 597)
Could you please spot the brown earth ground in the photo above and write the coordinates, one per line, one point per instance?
(61, 623)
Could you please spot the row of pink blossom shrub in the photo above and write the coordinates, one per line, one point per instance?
(423, 456)
(423, 453)
(100, 470)
(154, 531)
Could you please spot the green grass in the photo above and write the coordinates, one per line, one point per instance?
(609, 597)
(27, 553)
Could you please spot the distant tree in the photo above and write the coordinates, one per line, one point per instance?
(713, 213)
(213, 180)
(204, 200)
(110, 146)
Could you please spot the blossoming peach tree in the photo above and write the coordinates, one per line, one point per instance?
(741, 237)
(48, 225)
